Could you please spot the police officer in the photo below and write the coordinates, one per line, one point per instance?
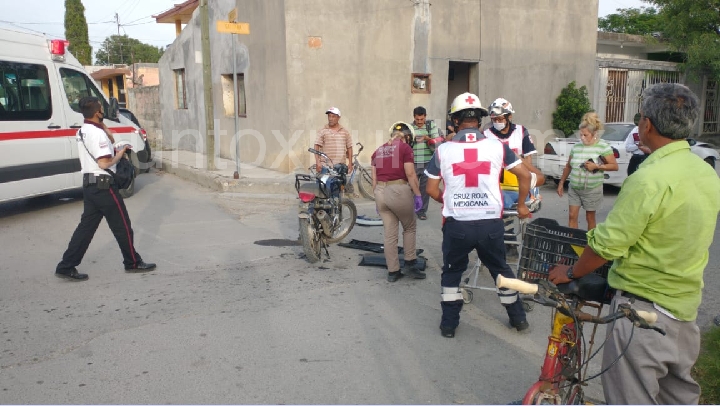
(470, 168)
(100, 196)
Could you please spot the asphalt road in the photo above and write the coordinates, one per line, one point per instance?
(227, 320)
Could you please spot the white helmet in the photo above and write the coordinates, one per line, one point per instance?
(467, 105)
(501, 107)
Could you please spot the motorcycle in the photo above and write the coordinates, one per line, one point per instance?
(325, 215)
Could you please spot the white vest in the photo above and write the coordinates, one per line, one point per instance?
(471, 171)
(514, 141)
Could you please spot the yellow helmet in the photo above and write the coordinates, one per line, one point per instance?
(406, 129)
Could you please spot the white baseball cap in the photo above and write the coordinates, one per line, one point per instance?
(334, 110)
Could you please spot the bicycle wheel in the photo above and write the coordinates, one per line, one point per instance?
(348, 216)
(365, 182)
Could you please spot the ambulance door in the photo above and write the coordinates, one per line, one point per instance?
(35, 144)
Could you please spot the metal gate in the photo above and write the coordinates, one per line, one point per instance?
(710, 114)
(623, 91)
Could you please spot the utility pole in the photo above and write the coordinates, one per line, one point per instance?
(117, 21)
(207, 85)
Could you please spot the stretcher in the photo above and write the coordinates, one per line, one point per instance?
(514, 233)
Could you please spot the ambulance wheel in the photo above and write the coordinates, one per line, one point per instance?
(125, 193)
(130, 190)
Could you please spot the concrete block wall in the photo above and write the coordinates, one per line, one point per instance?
(144, 102)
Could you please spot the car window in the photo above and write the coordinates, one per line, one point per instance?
(77, 86)
(617, 132)
(24, 92)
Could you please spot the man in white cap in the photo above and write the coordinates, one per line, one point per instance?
(335, 141)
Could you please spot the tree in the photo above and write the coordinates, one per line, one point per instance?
(76, 31)
(118, 49)
(693, 28)
(637, 21)
(572, 104)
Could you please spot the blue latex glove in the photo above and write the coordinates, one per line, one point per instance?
(418, 203)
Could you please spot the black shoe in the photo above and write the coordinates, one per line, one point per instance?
(140, 267)
(410, 269)
(520, 325)
(394, 276)
(448, 332)
(73, 275)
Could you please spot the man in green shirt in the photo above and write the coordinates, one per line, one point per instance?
(658, 234)
(427, 135)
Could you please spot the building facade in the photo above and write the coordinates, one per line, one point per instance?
(375, 60)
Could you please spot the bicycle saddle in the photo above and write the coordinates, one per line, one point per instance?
(591, 287)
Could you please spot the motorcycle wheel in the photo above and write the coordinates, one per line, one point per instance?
(365, 183)
(310, 241)
(348, 216)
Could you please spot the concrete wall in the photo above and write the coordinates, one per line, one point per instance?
(531, 51)
(145, 102)
(303, 56)
(183, 128)
(144, 74)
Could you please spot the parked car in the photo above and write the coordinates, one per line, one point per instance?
(556, 152)
(144, 157)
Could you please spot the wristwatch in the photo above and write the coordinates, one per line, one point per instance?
(570, 273)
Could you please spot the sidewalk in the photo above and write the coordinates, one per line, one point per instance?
(253, 180)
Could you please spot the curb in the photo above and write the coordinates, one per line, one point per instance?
(220, 183)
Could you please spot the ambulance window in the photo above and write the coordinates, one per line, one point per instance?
(77, 85)
(24, 92)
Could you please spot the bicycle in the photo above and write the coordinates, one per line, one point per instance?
(564, 371)
(364, 178)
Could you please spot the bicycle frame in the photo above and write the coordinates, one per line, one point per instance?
(562, 375)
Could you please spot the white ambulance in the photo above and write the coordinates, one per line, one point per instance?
(40, 87)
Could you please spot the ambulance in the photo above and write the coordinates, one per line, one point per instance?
(41, 84)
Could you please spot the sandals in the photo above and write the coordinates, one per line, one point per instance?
(422, 217)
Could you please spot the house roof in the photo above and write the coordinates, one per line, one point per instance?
(180, 12)
(106, 73)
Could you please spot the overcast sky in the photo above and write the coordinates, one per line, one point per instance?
(47, 16)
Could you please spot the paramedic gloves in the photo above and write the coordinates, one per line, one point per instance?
(418, 203)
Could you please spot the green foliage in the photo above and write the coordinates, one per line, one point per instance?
(76, 31)
(571, 105)
(117, 49)
(707, 368)
(693, 27)
(637, 21)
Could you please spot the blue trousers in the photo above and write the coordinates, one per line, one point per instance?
(485, 237)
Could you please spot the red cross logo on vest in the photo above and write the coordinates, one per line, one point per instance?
(470, 100)
(471, 168)
(470, 137)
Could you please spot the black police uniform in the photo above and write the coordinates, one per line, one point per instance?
(100, 200)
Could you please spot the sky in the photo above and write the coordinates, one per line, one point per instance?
(47, 16)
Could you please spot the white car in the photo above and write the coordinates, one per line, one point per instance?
(556, 152)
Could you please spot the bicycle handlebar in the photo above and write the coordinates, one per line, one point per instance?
(640, 318)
